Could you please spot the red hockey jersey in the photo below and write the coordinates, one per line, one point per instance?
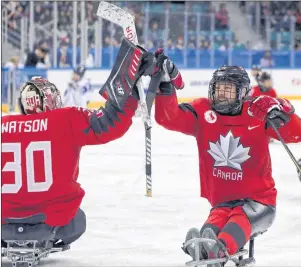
(40, 158)
(234, 159)
(255, 91)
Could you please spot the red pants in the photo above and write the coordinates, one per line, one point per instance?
(231, 225)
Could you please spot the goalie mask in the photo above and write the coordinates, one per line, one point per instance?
(228, 89)
(39, 95)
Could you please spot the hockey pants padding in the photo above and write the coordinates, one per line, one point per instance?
(234, 222)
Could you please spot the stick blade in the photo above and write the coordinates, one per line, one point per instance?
(114, 13)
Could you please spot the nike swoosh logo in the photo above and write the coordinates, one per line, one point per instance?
(253, 127)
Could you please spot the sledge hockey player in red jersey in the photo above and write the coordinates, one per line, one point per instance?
(41, 150)
(264, 87)
(232, 135)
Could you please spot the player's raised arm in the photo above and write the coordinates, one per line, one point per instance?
(112, 121)
(104, 125)
(168, 113)
(281, 113)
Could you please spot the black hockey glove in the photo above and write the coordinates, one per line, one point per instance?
(166, 88)
(148, 64)
(171, 77)
(278, 118)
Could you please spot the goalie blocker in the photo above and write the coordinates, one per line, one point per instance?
(131, 63)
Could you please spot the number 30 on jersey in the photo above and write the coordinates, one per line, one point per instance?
(16, 167)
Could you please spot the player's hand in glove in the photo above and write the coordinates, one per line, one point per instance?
(171, 78)
(267, 108)
(170, 71)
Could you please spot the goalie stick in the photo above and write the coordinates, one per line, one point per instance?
(125, 20)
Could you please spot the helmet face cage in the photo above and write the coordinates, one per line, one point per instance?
(49, 96)
(228, 89)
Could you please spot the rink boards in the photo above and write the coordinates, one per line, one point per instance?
(287, 83)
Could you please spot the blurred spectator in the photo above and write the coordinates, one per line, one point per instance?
(13, 63)
(206, 45)
(238, 45)
(63, 61)
(180, 43)
(37, 12)
(170, 44)
(14, 14)
(192, 42)
(267, 61)
(154, 34)
(222, 18)
(298, 47)
(281, 15)
(37, 58)
(286, 21)
(219, 43)
(298, 19)
(298, 43)
(44, 45)
(44, 15)
(90, 14)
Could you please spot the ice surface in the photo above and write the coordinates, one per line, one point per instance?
(125, 228)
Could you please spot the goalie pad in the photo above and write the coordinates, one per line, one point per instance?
(124, 75)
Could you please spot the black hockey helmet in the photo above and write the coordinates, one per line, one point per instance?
(265, 76)
(263, 86)
(229, 76)
(80, 71)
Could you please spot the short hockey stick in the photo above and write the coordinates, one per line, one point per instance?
(285, 145)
